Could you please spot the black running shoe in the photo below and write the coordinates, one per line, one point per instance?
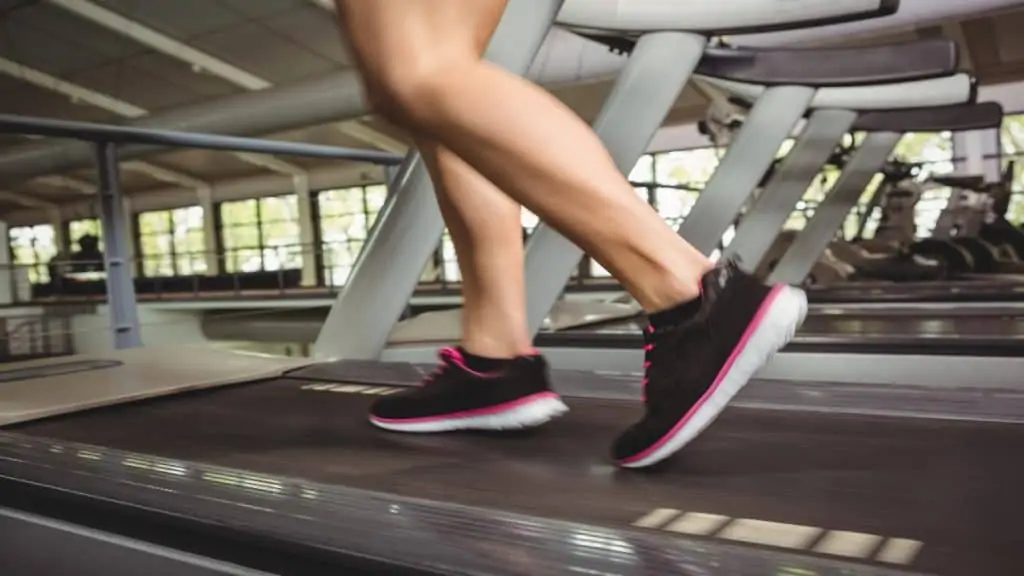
(457, 398)
(694, 369)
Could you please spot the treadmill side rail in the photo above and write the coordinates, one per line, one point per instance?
(408, 535)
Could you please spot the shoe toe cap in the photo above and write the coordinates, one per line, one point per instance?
(631, 444)
(396, 406)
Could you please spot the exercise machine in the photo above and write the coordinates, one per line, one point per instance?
(199, 461)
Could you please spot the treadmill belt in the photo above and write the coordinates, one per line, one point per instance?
(954, 486)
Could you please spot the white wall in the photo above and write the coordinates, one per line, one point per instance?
(91, 332)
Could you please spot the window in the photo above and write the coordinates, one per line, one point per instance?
(79, 228)
(261, 234)
(1012, 143)
(346, 216)
(935, 152)
(671, 183)
(33, 247)
(171, 242)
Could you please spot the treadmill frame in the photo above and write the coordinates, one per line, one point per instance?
(344, 525)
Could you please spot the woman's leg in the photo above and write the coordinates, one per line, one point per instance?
(711, 329)
(420, 63)
(485, 226)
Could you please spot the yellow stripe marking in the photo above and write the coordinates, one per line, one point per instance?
(899, 551)
(770, 533)
(698, 524)
(656, 518)
(349, 388)
(848, 544)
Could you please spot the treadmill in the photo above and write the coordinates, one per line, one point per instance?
(197, 461)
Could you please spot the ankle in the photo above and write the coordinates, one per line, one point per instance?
(672, 287)
(497, 350)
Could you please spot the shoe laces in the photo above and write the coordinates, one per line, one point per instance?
(445, 358)
(649, 345)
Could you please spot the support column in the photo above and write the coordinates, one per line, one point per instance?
(210, 256)
(307, 231)
(409, 225)
(60, 237)
(767, 126)
(761, 224)
(646, 89)
(124, 315)
(8, 287)
(129, 230)
(812, 241)
(978, 152)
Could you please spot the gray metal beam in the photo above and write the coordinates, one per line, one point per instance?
(409, 225)
(648, 86)
(767, 126)
(124, 314)
(811, 242)
(764, 220)
(324, 99)
(150, 137)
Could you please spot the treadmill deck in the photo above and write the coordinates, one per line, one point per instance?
(952, 486)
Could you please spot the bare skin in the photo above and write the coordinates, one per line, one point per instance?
(494, 141)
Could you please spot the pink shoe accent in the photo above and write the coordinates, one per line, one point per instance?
(454, 356)
(747, 334)
(489, 411)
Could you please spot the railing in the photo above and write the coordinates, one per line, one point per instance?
(26, 337)
(250, 272)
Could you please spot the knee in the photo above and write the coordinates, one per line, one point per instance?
(408, 92)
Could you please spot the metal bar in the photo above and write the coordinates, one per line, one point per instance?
(808, 367)
(767, 126)
(124, 314)
(329, 98)
(94, 132)
(764, 220)
(657, 70)
(811, 242)
(409, 225)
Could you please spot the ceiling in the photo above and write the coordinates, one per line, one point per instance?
(114, 60)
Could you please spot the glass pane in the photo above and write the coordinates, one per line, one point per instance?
(449, 261)
(279, 208)
(674, 204)
(154, 222)
(598, 271)
(643, 172)
(688, 167)
(238, 212)
(925, 147)
(1012, 134)
(79, 228)
(375, 197)
(241, 236)
(529, 220)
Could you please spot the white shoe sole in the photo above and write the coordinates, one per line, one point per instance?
(776, 322)
(523, 413)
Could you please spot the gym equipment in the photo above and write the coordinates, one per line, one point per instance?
(266, 464)
(897, 229)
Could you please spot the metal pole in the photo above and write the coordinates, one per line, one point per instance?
(768, 124)
(811, 242)
(647, 88)
(124, 315)
(330, 98)
(764, 220)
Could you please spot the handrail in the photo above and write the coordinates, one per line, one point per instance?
(94, 132)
